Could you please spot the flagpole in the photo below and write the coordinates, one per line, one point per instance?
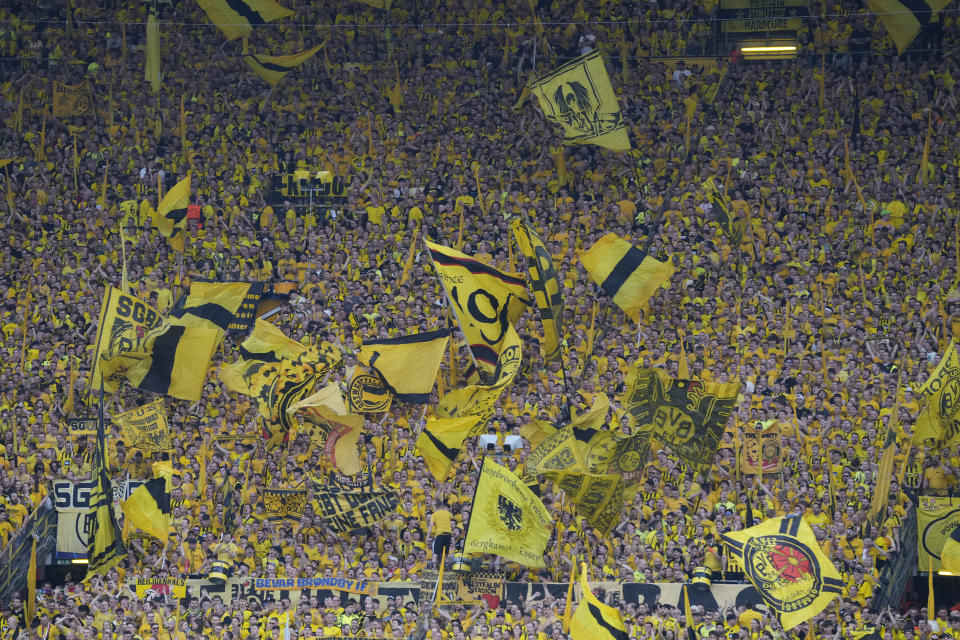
(456, 314)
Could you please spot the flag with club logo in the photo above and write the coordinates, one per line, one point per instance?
(938, 423)
(408, 364)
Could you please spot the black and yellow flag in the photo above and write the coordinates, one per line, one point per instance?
(170, 359)
(938, 423)
(334, 435)
(408, 364)
(625, 273)
(762, 449)
(594, 620)
(367, 393)
(145, 428)
(124, 319)
(784, 562)
(579, 97)
(148, 508)
(881, 492)
(485, 300)
(172, 213)
(479, 400)
(104, 545)
(733, 225)
(274, 68)
(283, 505)
(904, 19)
(265, 345)
(507, 519)
(688, 416)
(212, 305)
(598, 498)
(543, 280)
(937, 518)
(236, 18)
(440, 441)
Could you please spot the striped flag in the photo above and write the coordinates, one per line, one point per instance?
(172, 213)
(236, 18)
(212, 305)
(625, 273)
(274, 68)
(408, 364)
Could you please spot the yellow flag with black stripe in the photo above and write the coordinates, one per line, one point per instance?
(579, 97)
(594, 620)
(148, 508)
(904, 19)
(212, 305)
(950, 554)
(786, 565)
(507, 519)
(881, 493)
(938, 423)
(237, 18)
(625, 273)
(265, 345)
(105, 548)
(171, 359)
(172, 213)
(408, 364)
(274, 68)
(542, 276)
(440, 442)
(123, 319)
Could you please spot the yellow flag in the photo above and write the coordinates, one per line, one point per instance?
(236, 18)
(786, 565)
(881, 493)
(145, 428)
(123, 320)
(904, 19)
(579, 97)
(542, 276)
(440, 441)
(507, 520)
(938, 423)
(274, 68)
(625, 273)
(32, 585)
(950, 555)
(409, 364)
(172, 213)
(593, 619)
(568, 605)
(148, 508)
(937, 518)
(151, 71)
(334, 435)
(212, 305)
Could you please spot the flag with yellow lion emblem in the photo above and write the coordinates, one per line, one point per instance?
(786, 565)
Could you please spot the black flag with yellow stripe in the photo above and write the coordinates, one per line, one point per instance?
(236, 18)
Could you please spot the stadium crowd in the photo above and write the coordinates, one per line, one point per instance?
(830, 295)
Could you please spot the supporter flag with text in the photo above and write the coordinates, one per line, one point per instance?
(170, 359)
(594, 620)
(408, 364)
(688, 416)
(579, 97)
(784, 562)
(124, 319)
(274, 68)
(507, 519)
(486, 300)
(950, 554)
(236, 18)
(145, 428)
(904, 19)
(542, 276)
(625, 273)
(265, 345)
(172, 213)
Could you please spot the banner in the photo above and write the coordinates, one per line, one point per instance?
(145, 427)
(284, 505)
(297, 584)
(160, 587)
(81, 426)
(462, 589)
(316, 189)
(124, 319)
(763, 444)
(748, 16)
(15, 557)
(348, 511)
(937, 517)
(70, 100)
(688, 416)
(72, 502)
(579, 97)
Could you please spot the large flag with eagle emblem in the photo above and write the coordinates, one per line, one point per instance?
(579, 97)
(508, 519)
(688, 416)
(786, 565)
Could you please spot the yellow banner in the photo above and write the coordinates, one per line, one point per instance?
(175, 587)
(70, 100)
(145, 427)
(124, 319)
